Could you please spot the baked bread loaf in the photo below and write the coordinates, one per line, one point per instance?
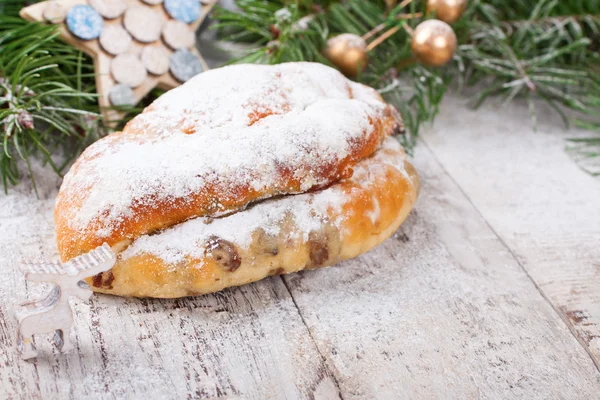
(243, 172)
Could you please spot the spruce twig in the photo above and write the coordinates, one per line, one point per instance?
(550, 53)
(42, 111)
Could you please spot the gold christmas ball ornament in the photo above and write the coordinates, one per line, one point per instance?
(348, 52)
(448, 11)
(433, 43)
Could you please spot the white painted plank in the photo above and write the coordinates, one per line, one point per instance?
(535, 197)
(248, 342)
(442, 310)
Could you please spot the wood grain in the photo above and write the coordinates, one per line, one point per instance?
(535, 197)
(443, 309)
(248, 342)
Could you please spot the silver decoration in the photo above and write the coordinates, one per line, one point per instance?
(53, 314)
(184, 65)
(121, 95)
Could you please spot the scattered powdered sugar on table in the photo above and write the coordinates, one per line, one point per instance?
(234, 125)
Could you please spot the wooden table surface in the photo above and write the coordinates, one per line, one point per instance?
(491, 289)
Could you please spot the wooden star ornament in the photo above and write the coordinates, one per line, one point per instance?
(136, 45)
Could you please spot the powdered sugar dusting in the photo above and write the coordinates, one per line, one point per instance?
(188, 238)
(229, 125)
(308, 211)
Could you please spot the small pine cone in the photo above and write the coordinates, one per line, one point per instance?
(25, 119)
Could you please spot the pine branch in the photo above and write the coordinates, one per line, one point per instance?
(546, 55)
(42, 111)
(586, 150)
(507, 48)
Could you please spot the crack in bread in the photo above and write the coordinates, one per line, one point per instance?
(244, 172)
(227, 138)
(276, 236)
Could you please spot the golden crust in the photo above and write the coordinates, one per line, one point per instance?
(301, 150)
(152, 212)
(376, 201)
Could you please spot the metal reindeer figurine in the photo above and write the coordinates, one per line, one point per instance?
(54, 313)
